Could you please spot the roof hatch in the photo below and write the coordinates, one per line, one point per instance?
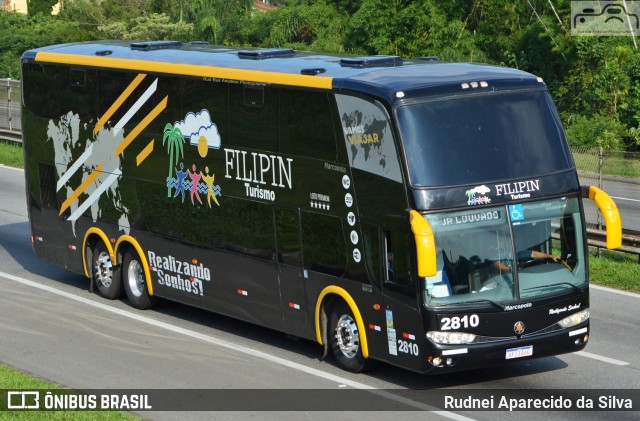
(155, 45)
(266, 53)
(372, 61)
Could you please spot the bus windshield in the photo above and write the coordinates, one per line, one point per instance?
(481, 138)
(507, 253)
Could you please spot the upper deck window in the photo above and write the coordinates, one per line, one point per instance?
(482, 138)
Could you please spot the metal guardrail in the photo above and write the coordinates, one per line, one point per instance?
(10, 92)
(630, 240)
(11, 136)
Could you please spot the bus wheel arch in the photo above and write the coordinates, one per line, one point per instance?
(339, 327)
(101, 265)
(136, 278)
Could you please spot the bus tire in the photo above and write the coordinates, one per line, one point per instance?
(104, 273)
(344, 339)
(135, 284)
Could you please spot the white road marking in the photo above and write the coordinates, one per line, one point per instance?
(614, 291)
(10, 168)
(235, 347)
(625, 198)
(601, 358)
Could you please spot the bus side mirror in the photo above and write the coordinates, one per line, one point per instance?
(425, 244)
(609, 210)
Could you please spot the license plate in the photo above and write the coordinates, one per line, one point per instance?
(523, 351)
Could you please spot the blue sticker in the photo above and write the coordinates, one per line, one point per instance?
(516, 212)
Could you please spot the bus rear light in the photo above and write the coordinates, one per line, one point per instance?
(574, 319)
(450, 337)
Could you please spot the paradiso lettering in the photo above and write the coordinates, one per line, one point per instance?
(176, 274)
(258, 170)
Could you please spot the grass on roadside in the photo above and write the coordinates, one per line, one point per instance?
(614, 163)
(11, 379)
(616, 270)
(11, 154)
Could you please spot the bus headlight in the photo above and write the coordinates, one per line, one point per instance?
(450, 337)
(574, 319)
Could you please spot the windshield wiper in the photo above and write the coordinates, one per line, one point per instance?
(577, 289)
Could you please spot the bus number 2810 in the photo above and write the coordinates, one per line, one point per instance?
(455, 322)
(408, 347)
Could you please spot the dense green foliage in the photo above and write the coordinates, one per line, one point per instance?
(594, 80)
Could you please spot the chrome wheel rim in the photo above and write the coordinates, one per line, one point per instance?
(135, 278)
(104, 270)
(347, 336)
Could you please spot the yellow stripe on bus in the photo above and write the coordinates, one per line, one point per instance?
(121, 99)
(142, 125)
(291, 79)
(145, 153)
(85, 185)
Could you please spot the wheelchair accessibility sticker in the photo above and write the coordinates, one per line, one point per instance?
(516, 212)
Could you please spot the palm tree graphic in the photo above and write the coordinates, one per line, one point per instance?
(175, 142)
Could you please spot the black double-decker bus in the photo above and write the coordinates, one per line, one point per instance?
(420, 213)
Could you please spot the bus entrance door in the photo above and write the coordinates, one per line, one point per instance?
(290, 271)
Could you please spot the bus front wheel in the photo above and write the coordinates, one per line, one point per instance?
(135, 284)
(104, 273)
(344, 338)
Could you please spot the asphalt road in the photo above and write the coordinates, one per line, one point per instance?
(50, 326)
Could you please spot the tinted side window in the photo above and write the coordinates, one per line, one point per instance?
(398, 264)
(306, 125)
(253, 117)
(78, 94)
(368, 137)
(372, 252)
(40, 87)
(323, 243)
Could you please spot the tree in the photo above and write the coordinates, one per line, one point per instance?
(40, 6)
(410, 29)
(153, 27)
(317, 27)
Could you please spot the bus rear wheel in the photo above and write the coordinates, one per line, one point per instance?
(344, 338)
(135, 284)
(103, 272)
